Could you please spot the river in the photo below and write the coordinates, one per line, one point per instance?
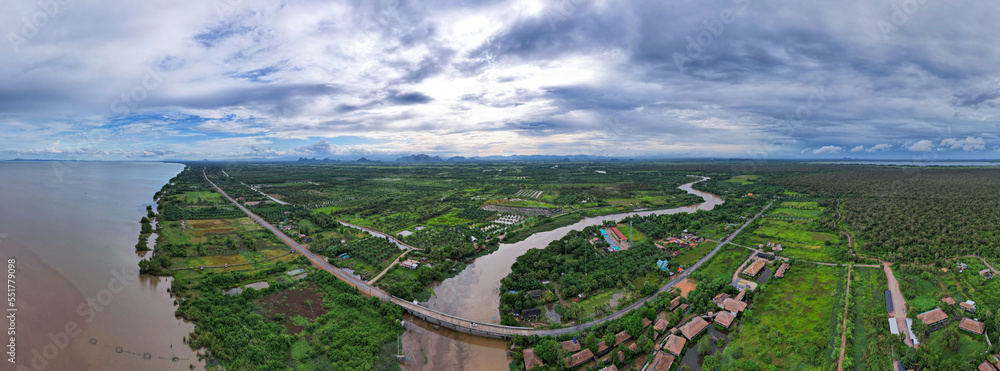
(475, 294)
(72, 229)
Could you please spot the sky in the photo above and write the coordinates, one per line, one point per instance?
(248, 79)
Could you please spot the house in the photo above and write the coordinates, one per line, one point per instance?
(743, 292)
(660, 325)
(972, 326)
(610, 368)
(986, 366)
(781, 270)
(888, 301)
(986, 273)
(674, 303)
(419, 228)
(725, 319)
(674, 345)
(530, 359)
(535, 294)
(579, 358)
(410, 263)
(621, 337)
(646, 322)
(734, 306)
(344, 256)
(694, 328)
(663, 264)
(778, 247)
(968, 306)
(755, 268)
(571, 346)
(719, 299)
(531, 313)
(948, 301)
(602, 348)
(934, 319)
(404, 233)
(683, 308)
(662, 362)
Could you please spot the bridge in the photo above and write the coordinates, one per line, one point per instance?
(456, 323)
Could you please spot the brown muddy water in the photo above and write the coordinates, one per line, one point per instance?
(72, 230)
(474, 294)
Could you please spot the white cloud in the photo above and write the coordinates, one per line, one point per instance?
(880, 148)
(826, 150)
(921, 146)
(967, 144)
(858, 149)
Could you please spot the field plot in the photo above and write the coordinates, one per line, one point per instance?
(797, 241)
(743, 179)
(793, 323)
(723, 264)
(690, 256)
(869, 349)
(199, 197)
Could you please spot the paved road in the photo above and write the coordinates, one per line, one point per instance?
(458, 323)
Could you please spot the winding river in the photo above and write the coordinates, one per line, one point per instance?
(475, 294)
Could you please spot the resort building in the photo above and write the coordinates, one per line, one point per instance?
(934, 319)
(694, 328)
(972, 326)
(755, 268)
(662, 362)
(725, 319)
(674, 345)
(579, 358)
(530, 359)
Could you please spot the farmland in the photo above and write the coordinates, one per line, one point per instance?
(792, 322)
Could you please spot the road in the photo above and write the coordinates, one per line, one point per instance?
(447, 320)
(668, 286)
(843, 334)
(454, 322)
(898, 304)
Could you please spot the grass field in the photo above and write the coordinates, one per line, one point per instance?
(596, 300)
(869, 349)
(799, 213)
(199, 197)
(796, 241)
(448, 219)
(690, 256)
(724, 263)
(968, 345)
(743, 179)
(328, 209)
(636, 235)
(793, 323)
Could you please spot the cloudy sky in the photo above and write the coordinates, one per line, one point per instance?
(230, 79)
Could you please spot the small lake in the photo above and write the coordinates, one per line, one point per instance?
(691, 357)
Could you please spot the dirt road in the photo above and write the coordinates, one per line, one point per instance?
(898, 304)
(843, 334)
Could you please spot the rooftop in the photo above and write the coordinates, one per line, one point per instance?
(725, 319)
(674, 344)
(781, 270)
(621, 337)
(986, 366)
(972, 326)
(579, 358)
(734, 306)
(754, 268)
(932, 316)
(660, 325)
(662, 362)
(948, 301)
(530, 359)
(571, 346)
(694, 327)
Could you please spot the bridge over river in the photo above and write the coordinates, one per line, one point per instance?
(454, 322)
